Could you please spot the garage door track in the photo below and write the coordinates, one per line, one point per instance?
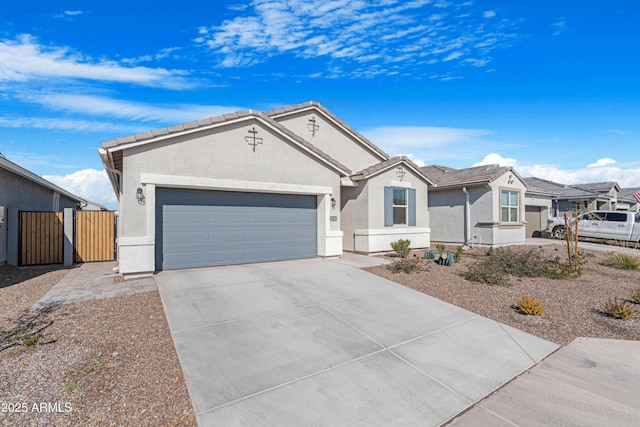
(321, 342)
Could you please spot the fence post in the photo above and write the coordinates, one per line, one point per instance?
(68, 237)
(13, 235)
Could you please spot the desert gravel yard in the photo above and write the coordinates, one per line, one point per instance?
(103, 362)
(113, 362)
(573, 307)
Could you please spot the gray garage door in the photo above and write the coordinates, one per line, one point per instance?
(197, 228)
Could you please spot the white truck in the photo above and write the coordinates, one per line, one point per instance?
(610, 225)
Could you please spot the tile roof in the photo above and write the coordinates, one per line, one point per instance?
(445, 176)
(118, 144)
(563, 191)
(386, 164)
(316, 105)
(598, 187)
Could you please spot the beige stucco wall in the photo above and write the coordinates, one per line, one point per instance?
(220, 158)
(363, 214)
(332, 140)
(448, 219)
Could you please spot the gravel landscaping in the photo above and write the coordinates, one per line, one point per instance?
(572, 307)
(103, 362)
(113, 362)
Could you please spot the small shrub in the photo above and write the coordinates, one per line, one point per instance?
(635, 297)
(69, 372)
(618, 310)
(404, 265)
(485, 272)
(530, 306)
(623, 261)
(402, 247)
(490, 251)
(440, 247)
(457, 255)
(70, 387)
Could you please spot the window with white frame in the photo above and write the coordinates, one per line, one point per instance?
(509, 206)
(400, 203)
(56, 201)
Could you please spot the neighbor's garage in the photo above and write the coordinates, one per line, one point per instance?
(533, 217)
(201, 228)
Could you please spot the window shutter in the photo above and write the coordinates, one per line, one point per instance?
(388, 207)
(412, 206)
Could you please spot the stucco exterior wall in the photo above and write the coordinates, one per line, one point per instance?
(354, 212)
(331, 140)
(221, 153)
(220, 159)
(24, 194)
(448, 217)
(376, 237)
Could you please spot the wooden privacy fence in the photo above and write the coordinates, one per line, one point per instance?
(95, 236)
(41, 238)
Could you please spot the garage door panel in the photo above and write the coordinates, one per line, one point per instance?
(186, 237)
(205, 228)
(227, 217)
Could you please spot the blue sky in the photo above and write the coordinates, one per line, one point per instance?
(550, 87)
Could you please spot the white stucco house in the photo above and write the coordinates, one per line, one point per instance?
(481, 205)
(295, 182)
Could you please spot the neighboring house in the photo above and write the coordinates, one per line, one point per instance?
(580, 197)
(626, 196)
(482, 205)
(538, 206)
(295, 182)
(23, 190)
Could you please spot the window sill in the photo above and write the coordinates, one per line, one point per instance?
(502, 224)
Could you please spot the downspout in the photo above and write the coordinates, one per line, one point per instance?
(467, 225)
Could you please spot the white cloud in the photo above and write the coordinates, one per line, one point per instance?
(360, 33)
(607, 169)
(24, 59)
(90, 184)
(427, 143)
(489, 14)
(497, 159)
(73, 12)
(77, 125)
(559, 26)
(109, 107)
(602, 162)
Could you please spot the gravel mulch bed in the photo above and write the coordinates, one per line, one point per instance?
(104, 362)
(573, 307)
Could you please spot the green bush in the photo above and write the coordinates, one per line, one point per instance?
(440, 247)
(404, 265)
(500, 263)
(485, 272)
(402, 247)
(457, 255)
(635, 297)
(623, 261)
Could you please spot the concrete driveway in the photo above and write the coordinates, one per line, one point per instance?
(321, 342)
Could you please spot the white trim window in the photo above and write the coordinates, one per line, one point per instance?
(56, 201)
(509, 206)
(400, 204)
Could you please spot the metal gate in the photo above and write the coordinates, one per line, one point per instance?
(95, 236)
(41, 238)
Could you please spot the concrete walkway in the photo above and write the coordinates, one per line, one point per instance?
(94, 280)
(322, 342)
(590, 382)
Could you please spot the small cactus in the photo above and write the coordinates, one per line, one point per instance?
(530, 306)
